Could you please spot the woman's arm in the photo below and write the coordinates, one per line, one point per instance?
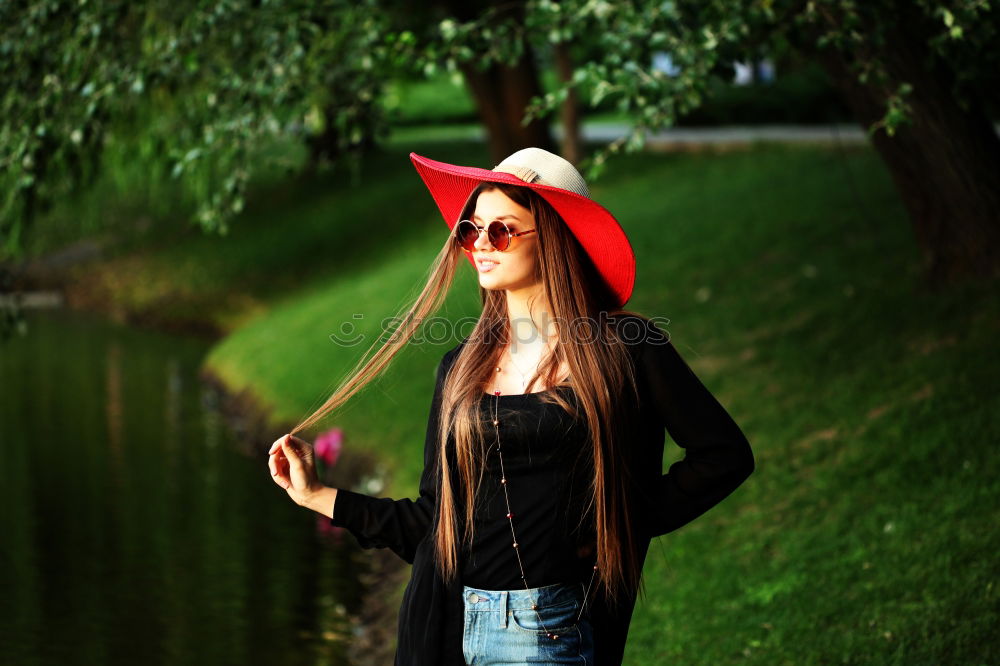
(400, 525)
(718, 457)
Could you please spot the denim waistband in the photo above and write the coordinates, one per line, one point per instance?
(476, 599)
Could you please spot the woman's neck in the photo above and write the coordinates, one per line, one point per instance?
(530, 321)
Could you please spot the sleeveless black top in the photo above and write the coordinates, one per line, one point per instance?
(548, 475)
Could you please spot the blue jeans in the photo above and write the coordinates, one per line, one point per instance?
(502, 628)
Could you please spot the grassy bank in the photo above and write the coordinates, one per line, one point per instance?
(789, 276)
(293, 233)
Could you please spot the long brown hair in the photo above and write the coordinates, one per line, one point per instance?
(600, 371)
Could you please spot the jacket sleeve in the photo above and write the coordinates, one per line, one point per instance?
(400, 525)
(717, 455)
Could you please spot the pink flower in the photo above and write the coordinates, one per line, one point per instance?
(328, 446)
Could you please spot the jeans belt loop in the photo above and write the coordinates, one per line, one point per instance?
(503, 608)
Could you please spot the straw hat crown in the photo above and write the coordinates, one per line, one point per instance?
(536, 165)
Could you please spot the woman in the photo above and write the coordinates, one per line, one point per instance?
(551, 416)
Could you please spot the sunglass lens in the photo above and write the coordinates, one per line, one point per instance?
(498, 235)
(466, 234)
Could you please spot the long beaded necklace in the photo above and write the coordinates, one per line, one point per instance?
(510, 513)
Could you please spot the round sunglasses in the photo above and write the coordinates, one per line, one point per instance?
(499, 234)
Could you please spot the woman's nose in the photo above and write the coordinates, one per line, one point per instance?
(483, 241)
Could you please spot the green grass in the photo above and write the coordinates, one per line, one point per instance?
(794, 290)
(292, 233)
(435, 100)
(867, 533)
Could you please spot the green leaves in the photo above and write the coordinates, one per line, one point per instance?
(194, 85)
(898, 112)
(213, 78)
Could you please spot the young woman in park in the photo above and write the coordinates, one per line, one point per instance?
(527, 545)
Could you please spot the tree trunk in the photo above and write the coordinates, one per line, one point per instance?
(945, 165)
(331, 144)
(502, 94)
(570, 111)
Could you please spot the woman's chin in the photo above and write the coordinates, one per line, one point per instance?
(495, 279)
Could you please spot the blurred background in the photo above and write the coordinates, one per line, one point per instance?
(197, 197)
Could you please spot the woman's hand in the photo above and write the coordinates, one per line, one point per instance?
(293, 467)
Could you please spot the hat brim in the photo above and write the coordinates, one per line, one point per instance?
(596, 229)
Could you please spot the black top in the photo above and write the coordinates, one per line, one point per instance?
(541, 444)
(547, 479)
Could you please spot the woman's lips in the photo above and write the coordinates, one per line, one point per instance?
(485, 265)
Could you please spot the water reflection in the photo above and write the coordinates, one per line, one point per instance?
(135, 528)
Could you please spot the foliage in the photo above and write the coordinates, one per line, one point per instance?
(702, 36)
(959, 33)
(212, 78)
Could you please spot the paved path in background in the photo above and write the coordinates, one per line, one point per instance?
(730, 134)
(685, 137)
(678, 137)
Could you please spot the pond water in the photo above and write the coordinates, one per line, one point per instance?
(136, 527)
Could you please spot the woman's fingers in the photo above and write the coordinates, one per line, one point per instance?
(290, 461)
(277, 463)
(301, 465)
(295, 467)
(276, 446)
(279, 470)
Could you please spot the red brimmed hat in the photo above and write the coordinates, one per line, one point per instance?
(559, 183)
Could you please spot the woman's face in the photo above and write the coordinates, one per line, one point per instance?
(515, 268)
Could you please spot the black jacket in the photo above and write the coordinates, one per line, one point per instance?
(718, 459)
